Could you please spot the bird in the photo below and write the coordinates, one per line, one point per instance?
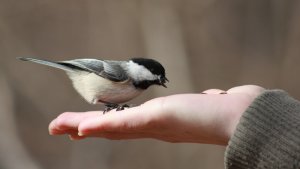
(109, 82)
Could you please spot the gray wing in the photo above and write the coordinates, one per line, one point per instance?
(111, 70)
(114, 71)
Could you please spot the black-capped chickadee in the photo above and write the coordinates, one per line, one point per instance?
(110, 82)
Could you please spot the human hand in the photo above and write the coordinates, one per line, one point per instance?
(198, 118)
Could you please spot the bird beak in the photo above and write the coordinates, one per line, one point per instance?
(162, 81)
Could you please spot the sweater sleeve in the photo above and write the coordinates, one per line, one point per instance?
(268, 134)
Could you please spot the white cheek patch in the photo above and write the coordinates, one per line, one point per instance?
(139, 73)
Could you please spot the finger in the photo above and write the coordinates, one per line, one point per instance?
(247, 89)
(52, 128)
(112, 121)
(214, 91)
(69, 120)
(129, 136)
(119, 135)
(61, 132)
(127, 120)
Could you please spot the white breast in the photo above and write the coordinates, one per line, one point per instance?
(95, 89)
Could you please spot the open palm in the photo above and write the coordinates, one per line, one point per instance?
(210, 117)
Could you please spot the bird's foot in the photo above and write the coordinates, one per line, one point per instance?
(111, 106)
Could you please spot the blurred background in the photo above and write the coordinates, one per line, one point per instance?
(202, 44)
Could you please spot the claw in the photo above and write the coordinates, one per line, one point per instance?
(122, 107)
(109, 107)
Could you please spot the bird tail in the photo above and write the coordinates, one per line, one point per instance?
(48, 63)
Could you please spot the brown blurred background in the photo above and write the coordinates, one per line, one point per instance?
(202, 43)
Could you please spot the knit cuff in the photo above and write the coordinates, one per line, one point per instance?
(268, 134)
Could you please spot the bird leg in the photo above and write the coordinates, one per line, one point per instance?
(109, 107)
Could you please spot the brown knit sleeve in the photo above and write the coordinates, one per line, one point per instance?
(268, 134)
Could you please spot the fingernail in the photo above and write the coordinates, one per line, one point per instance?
(71, 138)
(80, 134)
(75, 138)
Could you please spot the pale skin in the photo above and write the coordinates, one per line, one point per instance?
(210, 118)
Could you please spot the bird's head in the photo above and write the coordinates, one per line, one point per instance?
(146, 72)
